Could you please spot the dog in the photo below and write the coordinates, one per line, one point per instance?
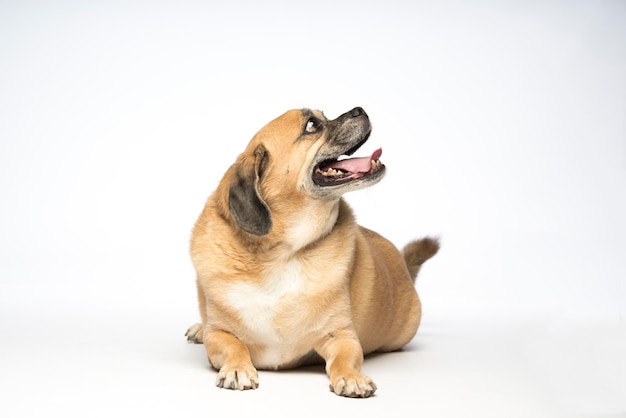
(285, 275)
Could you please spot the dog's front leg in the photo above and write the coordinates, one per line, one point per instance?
(344, 356)
(232, 358)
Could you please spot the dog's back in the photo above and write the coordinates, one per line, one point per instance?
(392, 321)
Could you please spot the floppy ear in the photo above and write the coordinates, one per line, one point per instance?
(245, 204)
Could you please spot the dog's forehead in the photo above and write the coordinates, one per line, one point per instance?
(313, 113)
(299, 115)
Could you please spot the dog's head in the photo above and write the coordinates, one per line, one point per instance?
(299, 159)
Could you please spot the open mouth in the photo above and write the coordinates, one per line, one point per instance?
(338, 171)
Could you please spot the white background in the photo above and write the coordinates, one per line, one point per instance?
(503, 128)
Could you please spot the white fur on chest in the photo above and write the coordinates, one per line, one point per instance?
(258, 304)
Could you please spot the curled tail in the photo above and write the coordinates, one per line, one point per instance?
(417, 252)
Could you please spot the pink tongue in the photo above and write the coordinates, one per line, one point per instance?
(358, 165)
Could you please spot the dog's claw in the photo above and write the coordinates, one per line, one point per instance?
(242, 378)
(354, 387)
(194, 334)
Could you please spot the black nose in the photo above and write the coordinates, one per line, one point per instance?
(357, 111)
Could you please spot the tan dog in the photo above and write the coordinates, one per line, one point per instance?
(285, 275)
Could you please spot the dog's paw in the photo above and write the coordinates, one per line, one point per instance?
(194, 333)
(240, 378)
(353, 386)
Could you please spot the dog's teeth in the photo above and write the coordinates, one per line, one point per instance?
(331, 172)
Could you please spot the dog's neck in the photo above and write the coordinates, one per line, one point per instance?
(314, 221)
(291, 234)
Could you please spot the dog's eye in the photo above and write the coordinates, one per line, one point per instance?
(312, 126)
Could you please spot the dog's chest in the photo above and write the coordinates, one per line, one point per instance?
(261, 305)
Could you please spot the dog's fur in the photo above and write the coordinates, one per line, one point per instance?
(285, 275)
